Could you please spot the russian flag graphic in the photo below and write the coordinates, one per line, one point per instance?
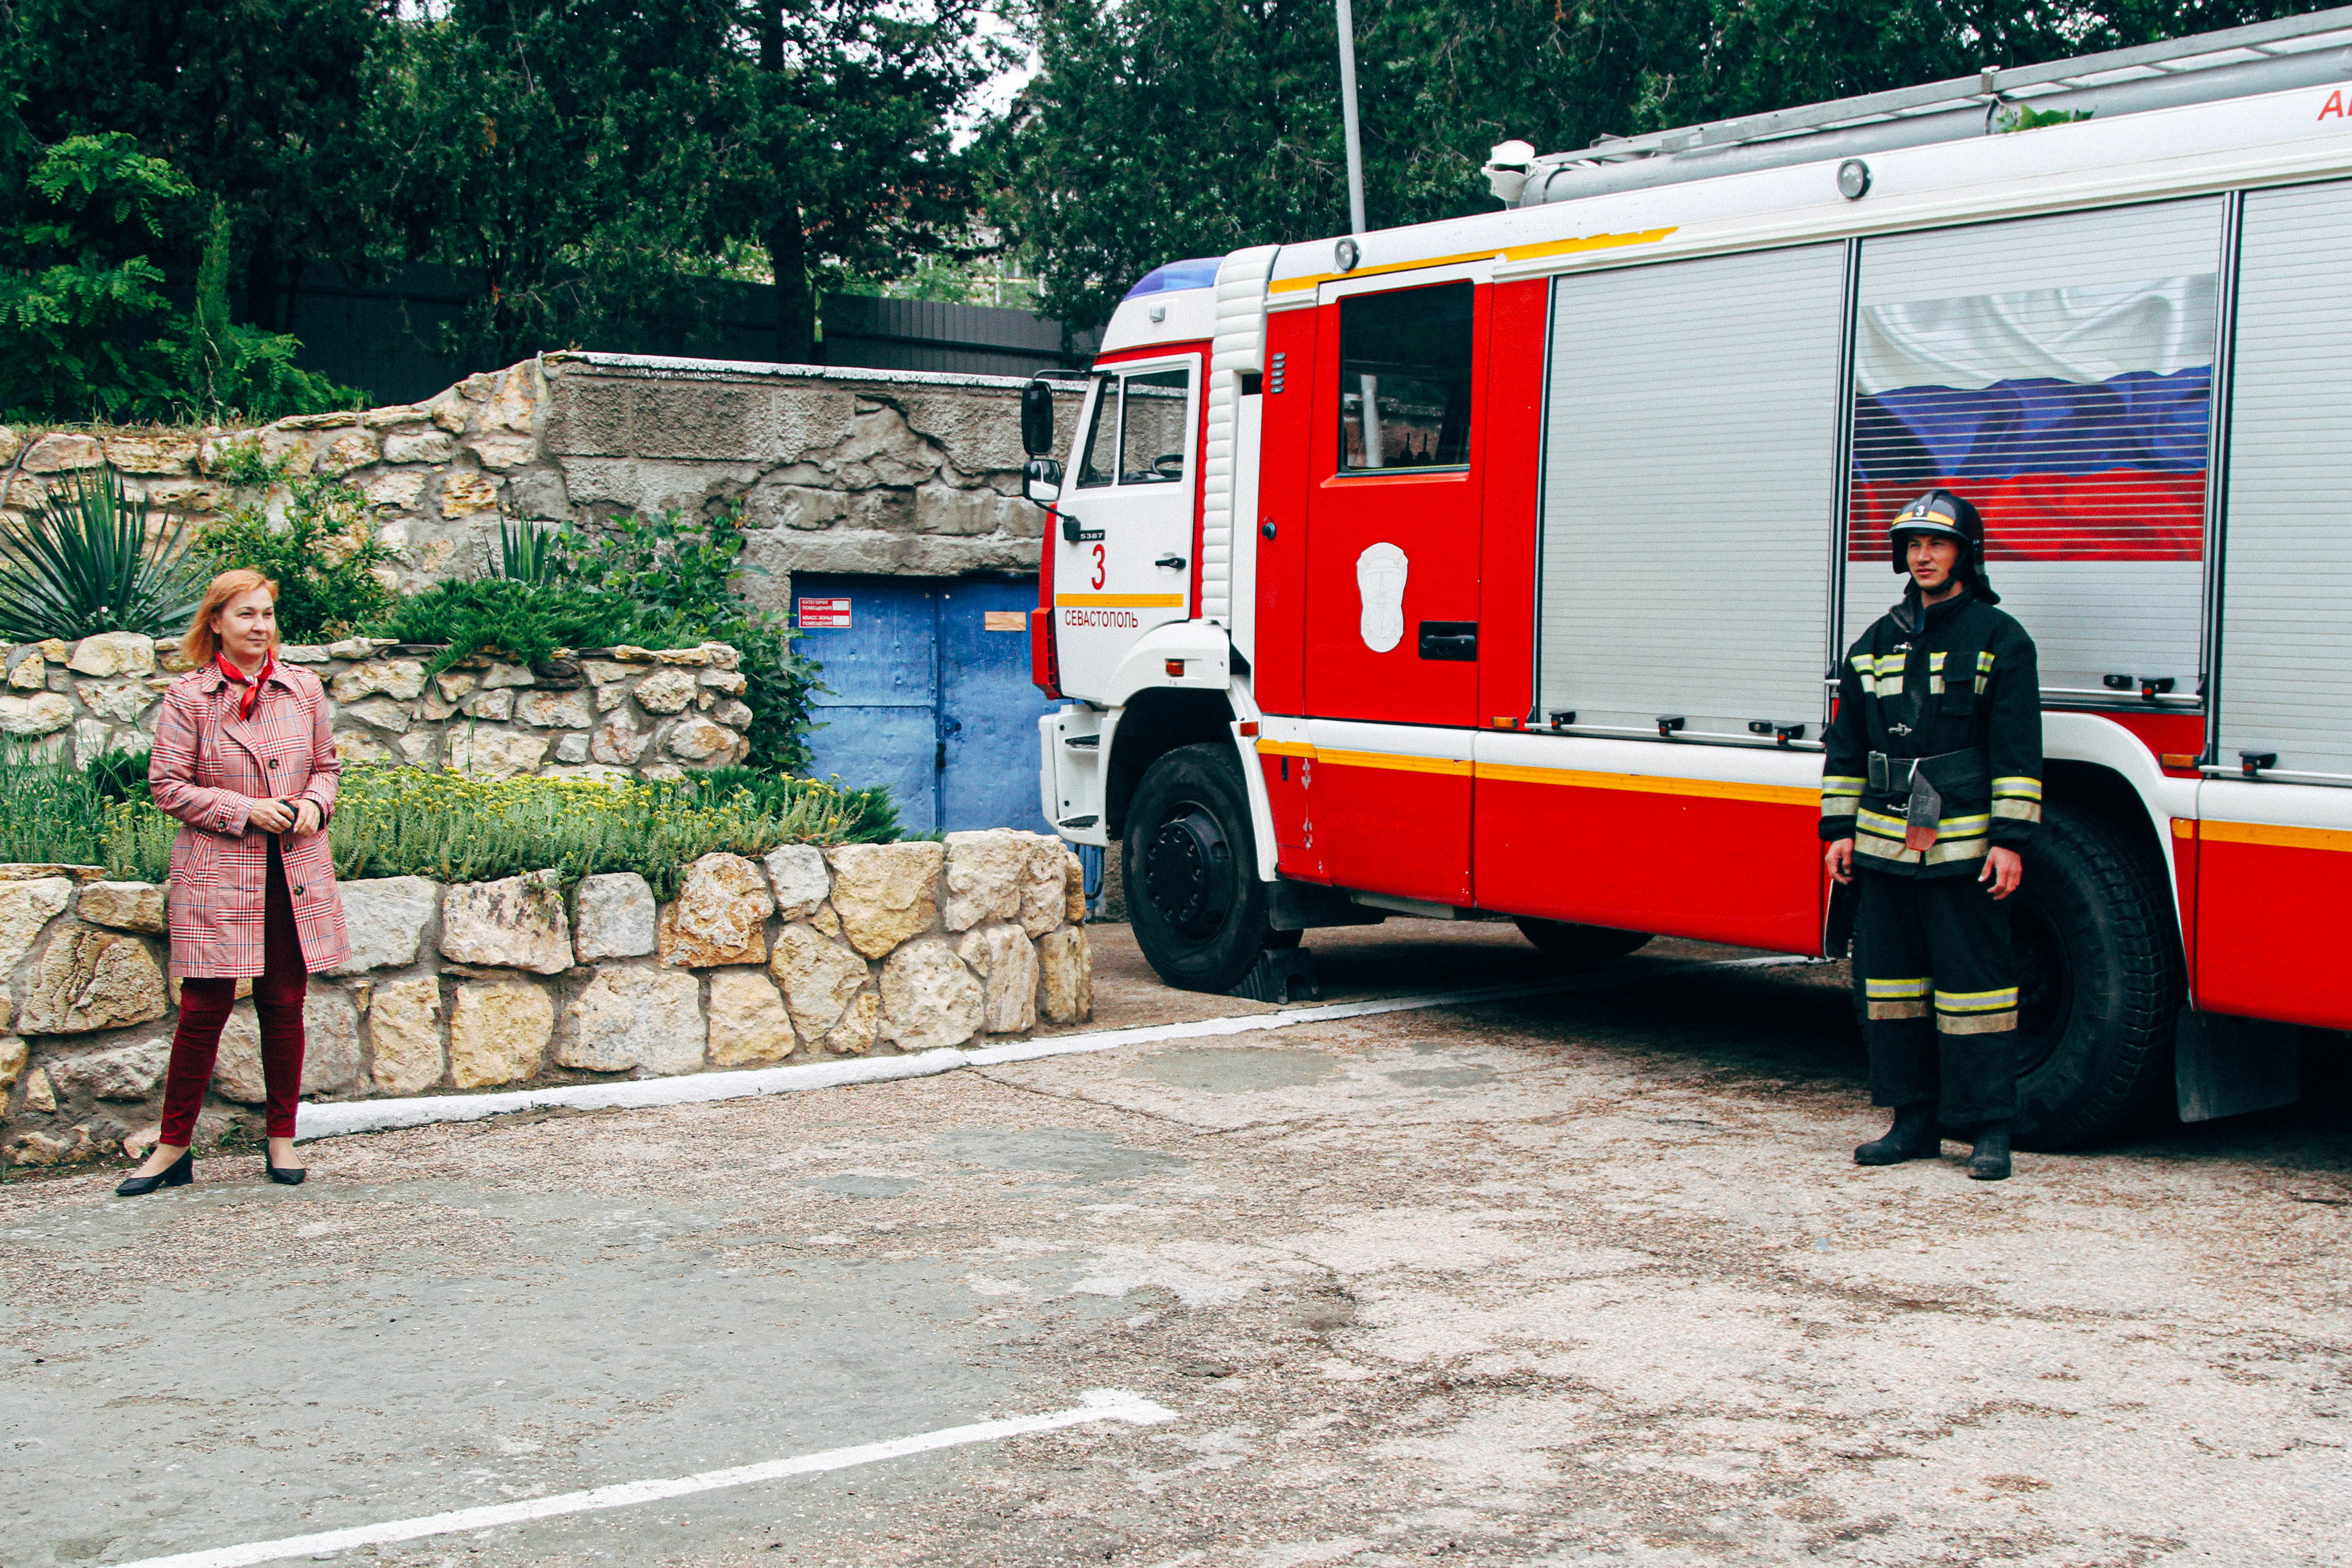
(2074, 418)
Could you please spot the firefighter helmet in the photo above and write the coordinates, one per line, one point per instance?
(1940, 514)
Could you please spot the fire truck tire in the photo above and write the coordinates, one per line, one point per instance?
(1573, 943)
(2102, 981)
(1194, 895)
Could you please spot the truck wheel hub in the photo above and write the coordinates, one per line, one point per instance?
(1188, 870)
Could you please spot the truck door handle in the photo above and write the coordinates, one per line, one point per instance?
(1455, 640)
(1172, 562)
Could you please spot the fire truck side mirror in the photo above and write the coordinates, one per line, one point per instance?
(1041, 481)
(1036, 419)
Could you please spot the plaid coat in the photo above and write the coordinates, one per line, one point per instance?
(208, 767)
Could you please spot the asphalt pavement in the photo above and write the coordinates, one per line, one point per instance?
(1583, 1277)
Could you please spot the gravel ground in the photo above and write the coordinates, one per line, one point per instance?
(1582, 1277)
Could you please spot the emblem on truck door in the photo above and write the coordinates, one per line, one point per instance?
(1380, 572)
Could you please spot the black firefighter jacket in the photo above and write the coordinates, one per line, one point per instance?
(1967, 682)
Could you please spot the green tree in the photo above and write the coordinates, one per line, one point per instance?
(1193, 127)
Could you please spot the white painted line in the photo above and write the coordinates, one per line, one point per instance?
(338, 1118)
(1100, 1405)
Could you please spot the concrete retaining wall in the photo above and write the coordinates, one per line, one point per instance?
(802, 955)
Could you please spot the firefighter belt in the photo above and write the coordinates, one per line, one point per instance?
(1925, 779)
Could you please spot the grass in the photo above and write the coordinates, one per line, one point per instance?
(457, 827)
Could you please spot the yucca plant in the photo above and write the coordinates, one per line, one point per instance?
(83, 560)
(528, 553)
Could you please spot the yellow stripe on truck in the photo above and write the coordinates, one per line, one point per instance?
(2274, 835)
(1510, 253)
(1651, 783)
(1120, 601)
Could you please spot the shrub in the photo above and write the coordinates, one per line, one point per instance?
(322, 557)
(685, 569)
(55, 813)
(85, 560)
(526, 621)
(533, 553)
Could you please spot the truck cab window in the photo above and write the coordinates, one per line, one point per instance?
(1405, 379)
(1151, 445)
(1095, 465)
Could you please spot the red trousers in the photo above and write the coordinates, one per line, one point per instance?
(277, 998)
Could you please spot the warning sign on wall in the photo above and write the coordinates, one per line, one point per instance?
(1004, 621)
(824, 615)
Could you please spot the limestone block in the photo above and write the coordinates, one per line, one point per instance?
(860, 1023)
(498, 1032)
(939, 509)
(86, 979)
(509, 675)
(185, 496)
(331, 1053)
(10, 445)
(456, 683)
(419, 446)
(617, 741)
(605, 671)
(24, 909)
(381, 713)
(1074, 890)
(820, 978)
(113, 653)
(161, 453)
(732, 714)
(1043, 895)
(420, 749)
(121, 700)
(464, 494)
(749, 1024)
(795, 506)
(355, 449)
(355, 648)
(237, 1072)
(404, 1036)
(59, 452)
(884, 893)
(303, 653)
(1066, 982)
(31, 674)
(555, 709)
(495, 706)
(929, 998)
(797, 875)
(449, 412)
(387, 918)
(8, 1006)
(729, 682)
(40, 1093)
(358, 748)
(720, 915)
(629, 1017)
(125, 906)
(825, 921)
(42, 1149)
(504, 452)
(513, 403)
(665, 691)
(397, 489)
(722, 657)
(985, 870)
(999, 954)
(93, 738)
(696, 740)
(129, 1072)
(495, 753)
(517, 922)
(615, 917)
(400, 677)
(571, 748)
(12, 1061)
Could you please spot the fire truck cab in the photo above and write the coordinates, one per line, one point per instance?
(1503, 566)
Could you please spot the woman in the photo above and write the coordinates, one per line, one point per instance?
(244, 758)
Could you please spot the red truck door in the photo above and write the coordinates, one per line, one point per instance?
(1392, 607)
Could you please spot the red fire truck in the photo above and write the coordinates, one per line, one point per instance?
(1503, 565)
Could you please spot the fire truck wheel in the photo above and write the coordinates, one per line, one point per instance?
(2099, 970)
(1573, 943)
(1200, 917)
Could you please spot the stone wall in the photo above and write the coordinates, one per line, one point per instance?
(804, 955)
(837, 469)
(614, 712)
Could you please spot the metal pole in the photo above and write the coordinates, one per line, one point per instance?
(1355, 224)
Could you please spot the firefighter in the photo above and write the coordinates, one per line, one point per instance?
(1932, 785)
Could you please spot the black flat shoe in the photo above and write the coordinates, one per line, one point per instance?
(1989, 1159)
(180, 1172)
(286, 1175)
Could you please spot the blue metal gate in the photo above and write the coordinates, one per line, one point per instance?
(930, 695)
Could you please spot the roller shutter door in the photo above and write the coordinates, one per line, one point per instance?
(1689, 492)
(2286, 587)
(2058, 372)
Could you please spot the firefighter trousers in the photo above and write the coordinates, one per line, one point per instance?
(1938, 979)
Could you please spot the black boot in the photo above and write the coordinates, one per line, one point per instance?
(1914, 1136)
(1989, 1162)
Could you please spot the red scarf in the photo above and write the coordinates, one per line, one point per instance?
(252, 697)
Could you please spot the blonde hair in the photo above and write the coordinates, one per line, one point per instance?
(203, 644)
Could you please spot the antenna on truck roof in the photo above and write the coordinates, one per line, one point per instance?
(2266, 56)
